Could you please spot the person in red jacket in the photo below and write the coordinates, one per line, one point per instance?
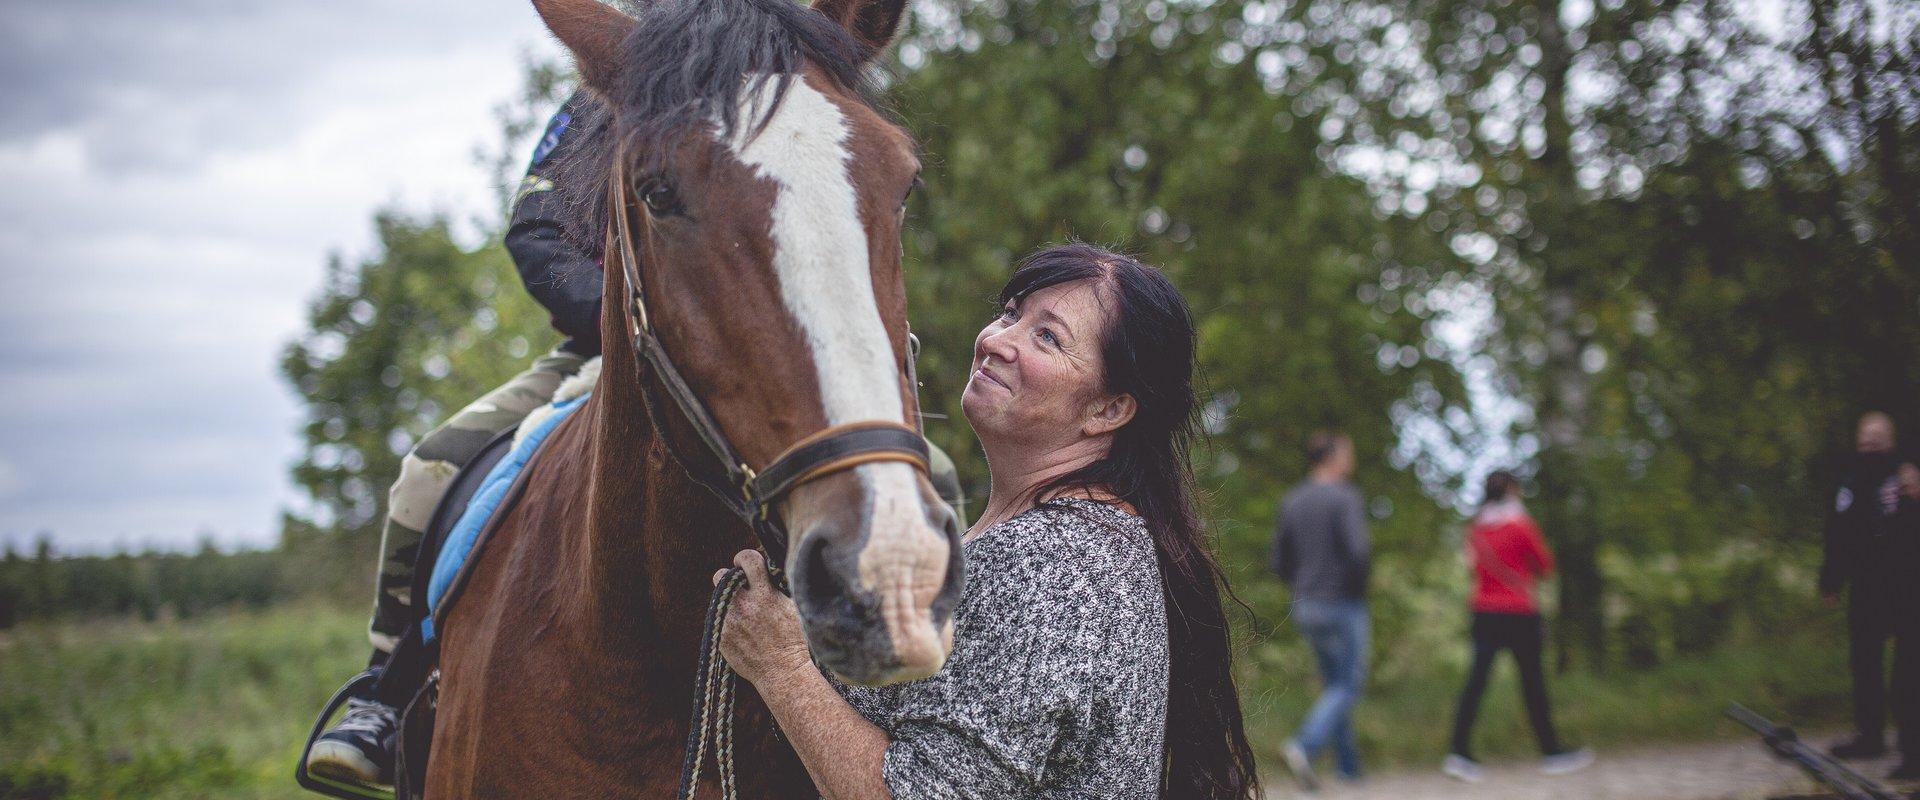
(1509, 556)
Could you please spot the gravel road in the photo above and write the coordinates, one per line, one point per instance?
(1733, 770)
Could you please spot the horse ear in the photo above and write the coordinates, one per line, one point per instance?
(593, 31)
(873, 22)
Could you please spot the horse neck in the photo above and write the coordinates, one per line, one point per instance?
(654, 537)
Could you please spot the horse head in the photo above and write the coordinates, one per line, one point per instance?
(766, 196)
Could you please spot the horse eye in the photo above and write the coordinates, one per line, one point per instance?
(917, 183)
(659, 196)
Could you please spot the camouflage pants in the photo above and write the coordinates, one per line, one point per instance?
(427, 471)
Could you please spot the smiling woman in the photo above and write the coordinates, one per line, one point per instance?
(1090, 653)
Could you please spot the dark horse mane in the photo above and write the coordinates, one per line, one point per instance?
(683, 68)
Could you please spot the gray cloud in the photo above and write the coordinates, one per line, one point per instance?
(181, 172)
(163, 85)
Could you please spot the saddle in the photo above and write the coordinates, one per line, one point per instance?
(454, 537)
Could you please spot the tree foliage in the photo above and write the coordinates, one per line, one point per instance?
(1655, 254)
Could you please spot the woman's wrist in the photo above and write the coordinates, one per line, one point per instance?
(794, 677)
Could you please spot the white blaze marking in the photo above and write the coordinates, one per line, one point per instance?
(820, 248)
(826, 283)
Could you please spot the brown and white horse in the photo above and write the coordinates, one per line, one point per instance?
(767, 197)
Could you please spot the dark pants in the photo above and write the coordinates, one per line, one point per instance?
(1873, 621)
(1869, 626)
(1523, 634)
(1906, 680)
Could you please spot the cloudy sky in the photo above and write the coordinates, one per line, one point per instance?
(176, 175)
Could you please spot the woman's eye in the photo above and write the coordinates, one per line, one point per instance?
(1048, 337)
(1009, 314)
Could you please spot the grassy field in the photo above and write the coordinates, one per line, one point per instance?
(215, 707)
(209, 708)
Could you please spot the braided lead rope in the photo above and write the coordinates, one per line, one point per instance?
(712, 721)
(723, 732)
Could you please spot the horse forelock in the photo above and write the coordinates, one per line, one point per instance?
(682, 74)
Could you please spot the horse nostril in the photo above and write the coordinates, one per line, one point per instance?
(818, 585)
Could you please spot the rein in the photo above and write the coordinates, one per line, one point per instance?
(750, 494)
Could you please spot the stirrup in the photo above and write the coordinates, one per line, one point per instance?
(329, 786)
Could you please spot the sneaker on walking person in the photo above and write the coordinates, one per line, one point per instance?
(1860, 746)
(359, 748)
(1300, 765)
(1567, 761)
(1462, 768)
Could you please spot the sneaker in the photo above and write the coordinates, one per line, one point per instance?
(1567, 761)
(1461, 768)
(359, 748)
(1861, 746)
(1300, 765)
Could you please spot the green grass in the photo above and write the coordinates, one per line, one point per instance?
(215, 707)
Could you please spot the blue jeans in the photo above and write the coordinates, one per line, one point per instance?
(1337, 630)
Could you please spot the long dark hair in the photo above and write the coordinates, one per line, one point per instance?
(1148, 352)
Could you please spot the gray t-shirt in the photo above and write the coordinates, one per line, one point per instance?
(1320, 543)
(1057, 684)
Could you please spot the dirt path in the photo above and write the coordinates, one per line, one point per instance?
(1735, 770)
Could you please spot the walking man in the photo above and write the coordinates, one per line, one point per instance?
(1322, 551)
(1873, 552)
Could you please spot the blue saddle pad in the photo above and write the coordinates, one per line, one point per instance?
(487, 500)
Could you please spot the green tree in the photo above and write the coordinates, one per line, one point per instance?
(1692, 230)
(1137, 124)
(400, 339)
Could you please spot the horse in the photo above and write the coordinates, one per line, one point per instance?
(752, 198)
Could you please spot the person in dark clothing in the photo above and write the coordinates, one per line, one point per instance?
(1873, 553)
(1509, 556)
(567, 280)
(562, 277)
(1322, 551)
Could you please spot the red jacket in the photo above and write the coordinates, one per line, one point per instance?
(1509, 556)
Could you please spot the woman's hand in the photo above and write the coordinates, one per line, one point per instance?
(762, 640)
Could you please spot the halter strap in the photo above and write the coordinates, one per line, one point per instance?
(750, 495)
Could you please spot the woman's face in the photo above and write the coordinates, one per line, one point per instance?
(1037, 372)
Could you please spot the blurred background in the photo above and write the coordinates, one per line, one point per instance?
(1655, 256)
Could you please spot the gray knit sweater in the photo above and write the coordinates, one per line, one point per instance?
(1057, 684)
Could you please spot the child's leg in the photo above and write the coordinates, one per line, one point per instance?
(427, 471)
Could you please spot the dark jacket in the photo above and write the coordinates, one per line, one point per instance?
(1871, 528)
(559, 275)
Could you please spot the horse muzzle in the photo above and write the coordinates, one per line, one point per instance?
(876, 578)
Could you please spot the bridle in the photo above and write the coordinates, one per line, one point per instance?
(749, 493)
(752, 495)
